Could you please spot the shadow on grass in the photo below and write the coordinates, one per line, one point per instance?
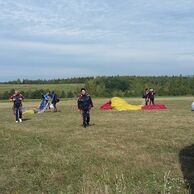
(186, 158)
(90, 125)
(26, 119)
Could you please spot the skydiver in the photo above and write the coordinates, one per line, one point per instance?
(146, 96)
(17, 99)
(151, 96)
(85, 104)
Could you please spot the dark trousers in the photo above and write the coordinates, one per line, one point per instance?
(86, 117)
(18, 113)
(152, 101)
(54, 106)
(146, 101)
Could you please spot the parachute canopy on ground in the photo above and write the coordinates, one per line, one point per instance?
(154, 107)
(44, 105)
(122, 105)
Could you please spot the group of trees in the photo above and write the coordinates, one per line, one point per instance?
(126, 86)
(123, 86)
(51, 81)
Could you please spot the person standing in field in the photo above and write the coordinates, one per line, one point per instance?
(85, 104)
(17, 99)
(151, 95)
(146, 96)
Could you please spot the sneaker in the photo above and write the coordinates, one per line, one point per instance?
(16, 121)
(20, 120)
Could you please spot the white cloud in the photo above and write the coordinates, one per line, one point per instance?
(98, 33)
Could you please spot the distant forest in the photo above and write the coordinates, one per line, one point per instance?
(123, 86)
(76, 80)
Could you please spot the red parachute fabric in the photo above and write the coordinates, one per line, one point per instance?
(106, 106)
(154, 107)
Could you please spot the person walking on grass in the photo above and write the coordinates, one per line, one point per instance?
(85, 104)
(17, 99)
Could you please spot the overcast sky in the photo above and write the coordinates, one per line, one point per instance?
(68, 38)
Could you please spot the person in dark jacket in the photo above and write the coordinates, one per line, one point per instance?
(54, 100)
(17, 99)
(151, 96)
(47, 98)
(84, 104)
(146, 96)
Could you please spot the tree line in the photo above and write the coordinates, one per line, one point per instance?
(75, 80)
(133, 86)
(108, 86)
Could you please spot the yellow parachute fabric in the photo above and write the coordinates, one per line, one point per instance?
(28, 112)
(120, 105)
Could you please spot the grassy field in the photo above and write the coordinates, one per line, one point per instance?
(133, 152)
(33, 87)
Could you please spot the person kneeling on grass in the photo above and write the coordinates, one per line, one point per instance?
(84, 105)
(17, 99)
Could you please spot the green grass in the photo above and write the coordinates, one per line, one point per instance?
(133, 152)
(33, 87)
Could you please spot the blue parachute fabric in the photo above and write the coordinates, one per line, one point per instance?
(43, 104)
(42, 107)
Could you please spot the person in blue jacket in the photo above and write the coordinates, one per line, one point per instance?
(85, 104)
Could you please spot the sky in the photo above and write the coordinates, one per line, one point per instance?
(45, 39)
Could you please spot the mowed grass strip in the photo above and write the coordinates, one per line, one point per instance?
(121, 152)
(33, 87)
